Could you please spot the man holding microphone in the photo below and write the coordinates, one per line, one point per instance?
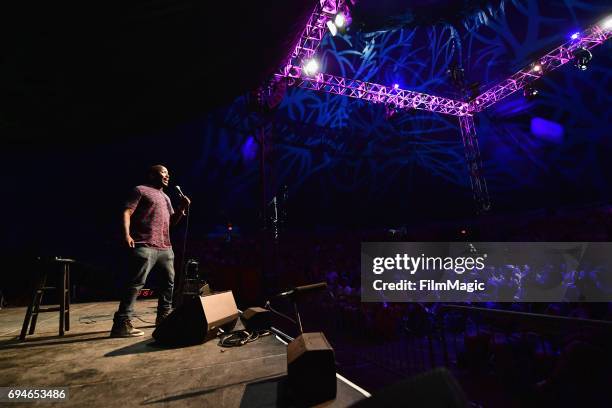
(147, 217)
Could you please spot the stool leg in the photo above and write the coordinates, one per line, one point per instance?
(62, 301)
(28, 316)
(26, 320)
(38, 296)
(67, 297)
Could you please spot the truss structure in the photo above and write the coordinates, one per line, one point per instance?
(560, 56)
(376, 93)
(313, 34)
(316, 28)
(474, 162)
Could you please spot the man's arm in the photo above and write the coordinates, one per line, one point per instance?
(127, 214)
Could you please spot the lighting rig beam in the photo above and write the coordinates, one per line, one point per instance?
(588, 39)
(306, 47)
(313, 34)
(474, 162)
(305, 50)
(376, 93)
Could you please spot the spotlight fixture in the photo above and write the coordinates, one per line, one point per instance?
(311, 67)
(332, 28)
(536, 68)
(390, 111)
(396, 86)
(530, 91)
(339, 20)
(607, 23)
(583, 57)
(457, 75)
(338, 23)
(575, 36)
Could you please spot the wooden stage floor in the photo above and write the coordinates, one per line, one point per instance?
(100, 371)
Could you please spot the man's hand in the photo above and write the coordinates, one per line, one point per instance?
(180, 210)
(184, 204)
(130, 242)
(185, 201)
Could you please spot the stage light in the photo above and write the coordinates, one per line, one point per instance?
(537, 68)
(575, 36)
(390, 111)
(530, 91)
(396, 86)
(332, 28)
(607, 23)
(339, 20)
(583, 57)
(338, 24)
(311, 67)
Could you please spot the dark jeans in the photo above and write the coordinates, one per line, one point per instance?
(141, 261)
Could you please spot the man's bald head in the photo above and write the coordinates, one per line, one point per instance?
(159, 176)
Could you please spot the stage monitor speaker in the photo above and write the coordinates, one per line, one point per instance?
(198, 319)
(256, 319)
(434, 389)
(311, 369)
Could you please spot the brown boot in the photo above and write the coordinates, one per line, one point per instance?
(125, 329)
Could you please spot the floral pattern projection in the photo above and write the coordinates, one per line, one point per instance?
(329, 143)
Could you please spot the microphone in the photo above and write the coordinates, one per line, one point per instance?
(299, 290)
(180, 192)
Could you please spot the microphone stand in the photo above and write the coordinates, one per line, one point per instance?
(269, 307)
(297, 315)
(297, 321)
(293, 294)
(179, 300)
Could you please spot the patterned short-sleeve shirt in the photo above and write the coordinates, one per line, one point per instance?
(150, 221)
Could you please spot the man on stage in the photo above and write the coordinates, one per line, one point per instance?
(147, 217)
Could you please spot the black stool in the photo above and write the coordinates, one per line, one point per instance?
(64, 298)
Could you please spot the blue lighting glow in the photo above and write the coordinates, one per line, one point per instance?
(547, 130)
(249, 150)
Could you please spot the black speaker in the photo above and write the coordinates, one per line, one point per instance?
(198, 319)
(256, 319)
(434, 389)
(311, 369)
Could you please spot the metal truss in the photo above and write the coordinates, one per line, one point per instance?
(315, 30)
(376, 93)
(560, 56)
(474, 162)
(313, 33)
(307, 46)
